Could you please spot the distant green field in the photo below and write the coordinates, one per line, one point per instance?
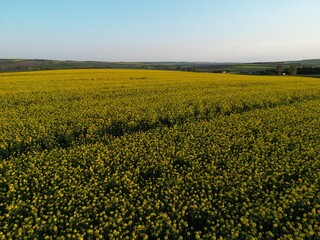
(140, 154)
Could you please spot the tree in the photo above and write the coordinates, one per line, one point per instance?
(293, 70)
(280, 69)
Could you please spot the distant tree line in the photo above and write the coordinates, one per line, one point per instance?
(291, 70)
(309, 70)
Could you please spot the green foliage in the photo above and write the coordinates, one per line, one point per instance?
(106, 154)
(293, 70)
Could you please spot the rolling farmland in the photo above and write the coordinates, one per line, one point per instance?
(138, 154)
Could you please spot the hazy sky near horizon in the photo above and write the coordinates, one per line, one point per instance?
(163, 30)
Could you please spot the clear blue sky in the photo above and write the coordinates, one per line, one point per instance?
(160, 30)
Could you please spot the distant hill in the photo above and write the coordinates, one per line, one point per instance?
(16, 65)
(40, 64)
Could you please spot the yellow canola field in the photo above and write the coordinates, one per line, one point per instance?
(140, 154)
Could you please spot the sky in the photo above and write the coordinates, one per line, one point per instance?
(162, 30)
